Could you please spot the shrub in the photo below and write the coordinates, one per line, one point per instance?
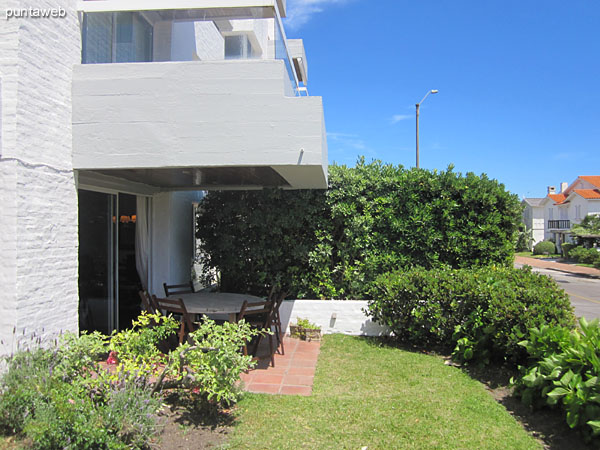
(482, 313)
(585, 255)
(566, 248)
(373, 219)
(61, 398)
(49, 396)
(214, 374)
(544, 247)
(563, 372)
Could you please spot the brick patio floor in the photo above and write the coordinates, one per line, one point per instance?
(293, 373)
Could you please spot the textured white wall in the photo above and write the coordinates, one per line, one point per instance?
(210, 45)
(172, 238)
(38, 273)
(349, 316)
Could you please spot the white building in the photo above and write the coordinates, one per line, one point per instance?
(567, 207)
(533, 218)
(114, 117)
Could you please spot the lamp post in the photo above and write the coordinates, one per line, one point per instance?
(418, 105)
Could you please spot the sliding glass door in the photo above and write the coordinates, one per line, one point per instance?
(108, 280)
(97, 254)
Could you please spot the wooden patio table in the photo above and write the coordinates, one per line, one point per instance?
(221, 303)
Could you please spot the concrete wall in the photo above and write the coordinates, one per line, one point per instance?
(38, 222)
(195, 114)
(210, 45)
(333, 316)
(172, 238)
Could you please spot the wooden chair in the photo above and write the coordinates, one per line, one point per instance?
(176, 306)
(173, 289)
(258, 315)
(277, 299)
(147, 302)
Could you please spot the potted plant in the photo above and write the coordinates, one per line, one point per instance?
(305, 330)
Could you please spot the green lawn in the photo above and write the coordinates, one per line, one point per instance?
(531, 255)
(368, 395)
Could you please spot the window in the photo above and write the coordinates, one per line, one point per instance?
(550, 214)
(116, 37)
(238, 47)
(578, 212)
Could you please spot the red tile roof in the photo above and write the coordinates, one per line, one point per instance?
(595, 180)
(558, 198)
(588, 193)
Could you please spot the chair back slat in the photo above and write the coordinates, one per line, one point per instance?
(173, 289)
(256, 312)
(147, 303)
(176, 306)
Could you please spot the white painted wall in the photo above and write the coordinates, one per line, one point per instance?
(196, 114)
(38, 223)
(333, 316)
(172, 238)
(210, 45)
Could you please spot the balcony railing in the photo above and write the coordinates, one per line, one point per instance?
(559, 224)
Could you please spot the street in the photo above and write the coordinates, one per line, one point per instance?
(584, 292)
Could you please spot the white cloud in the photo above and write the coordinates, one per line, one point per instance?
(400, 117)
(346, 140)
(299, 12)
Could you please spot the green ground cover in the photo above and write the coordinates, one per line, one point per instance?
(531, 255)
(370, 395)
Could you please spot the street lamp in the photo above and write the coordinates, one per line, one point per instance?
(418, 105)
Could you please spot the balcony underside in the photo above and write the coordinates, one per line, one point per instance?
(197, 125)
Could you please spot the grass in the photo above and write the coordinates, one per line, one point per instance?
(531, 255)
(370, 395)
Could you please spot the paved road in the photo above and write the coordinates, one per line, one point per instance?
(584, 292)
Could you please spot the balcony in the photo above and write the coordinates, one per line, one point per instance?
(195, 95)
(197, 125)
(559, 224)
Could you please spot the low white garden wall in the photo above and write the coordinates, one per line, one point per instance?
(333, 316)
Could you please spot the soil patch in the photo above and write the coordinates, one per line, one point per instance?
(547, 425)
(187, 425)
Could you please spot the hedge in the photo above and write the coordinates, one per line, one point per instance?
(374, 218)
(480, 313)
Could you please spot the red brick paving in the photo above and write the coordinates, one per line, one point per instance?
(563, 267)
(293, 373)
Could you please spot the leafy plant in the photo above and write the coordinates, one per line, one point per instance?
(585, 255)
(61, 398)
(544, 247)
(482, 313)
(563, 372)
(212, 364)
(566, 248)
(307, 324)
(373, 219)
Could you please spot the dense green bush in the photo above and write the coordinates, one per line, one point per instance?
(61, 398)
(373, 219)
(54, 398)
(482, 313)
(563, 372)
(566, 248)
(585, 255)
(544, 247)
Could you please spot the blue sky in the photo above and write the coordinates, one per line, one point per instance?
(519, 94)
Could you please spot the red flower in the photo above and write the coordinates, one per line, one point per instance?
(112, 358)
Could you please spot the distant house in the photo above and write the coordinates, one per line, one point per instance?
(563, 209)
(533, 217)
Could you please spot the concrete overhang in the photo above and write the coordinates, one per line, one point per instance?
(298, 55)
(197, 125)
(221, 8)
